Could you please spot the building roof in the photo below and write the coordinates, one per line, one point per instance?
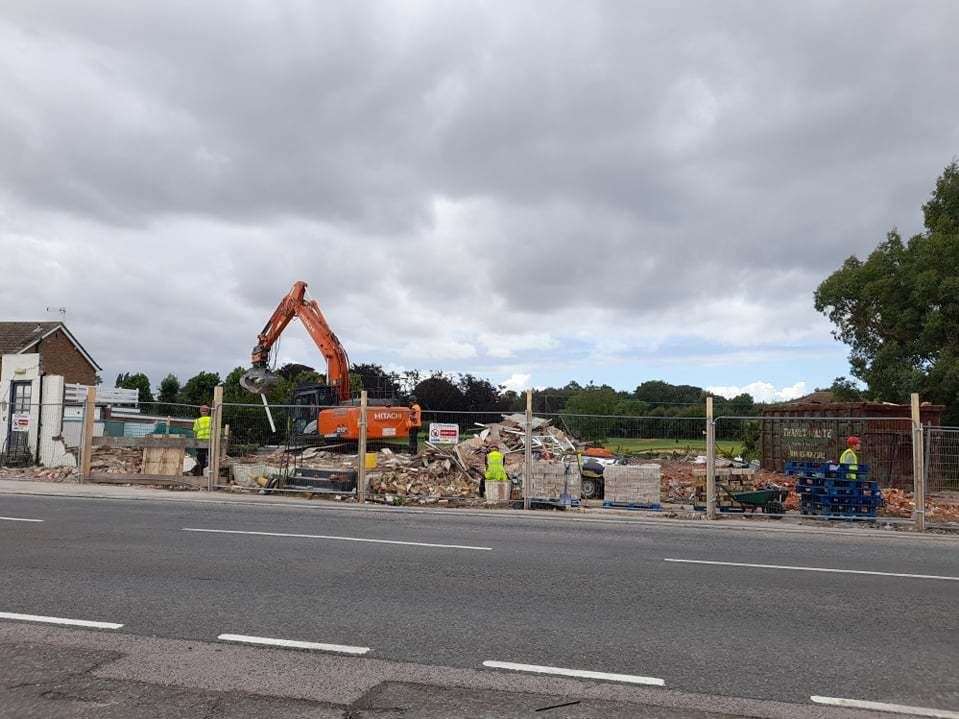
(822, 396)
(18, 337)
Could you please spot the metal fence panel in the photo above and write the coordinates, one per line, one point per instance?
(942, 459)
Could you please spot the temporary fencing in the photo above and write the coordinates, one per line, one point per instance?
(278, 448)
(690, 462)
(942, 459)
(77, 436)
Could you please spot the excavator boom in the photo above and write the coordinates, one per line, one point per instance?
(340, 422)
(295, 304)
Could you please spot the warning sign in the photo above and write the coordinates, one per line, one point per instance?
(442, 433)
(20, 422)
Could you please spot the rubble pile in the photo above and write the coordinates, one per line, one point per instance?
(678, 482)
(432, 472)
(900, 503)
(311, 458)
(117, 460)
(47, 474)
(455, 471)
(764, 478)
(437, 470)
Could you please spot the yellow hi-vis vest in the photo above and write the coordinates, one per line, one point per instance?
(495, 472)
(201, 427)
(849, 457)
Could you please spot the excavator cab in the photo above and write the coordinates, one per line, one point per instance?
(307, 398)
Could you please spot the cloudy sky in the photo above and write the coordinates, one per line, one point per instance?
(530, 191)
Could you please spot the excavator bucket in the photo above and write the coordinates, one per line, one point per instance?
(258, 380)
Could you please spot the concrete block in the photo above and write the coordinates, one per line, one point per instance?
(633, 484)
(498, 491)
(550, 477)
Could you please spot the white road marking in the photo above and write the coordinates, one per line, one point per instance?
(581, 673)
(59, 620)
(815, 569)
(339, 539)
(293, 644)
(19, 519)
(883, 707)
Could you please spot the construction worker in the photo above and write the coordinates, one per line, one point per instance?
(851, 457)
(201, 432)
(495, 471)
(415, 422)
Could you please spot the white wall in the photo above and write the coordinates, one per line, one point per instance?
(53, 451)
(20, 368)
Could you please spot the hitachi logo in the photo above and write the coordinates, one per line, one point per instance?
(386, 415)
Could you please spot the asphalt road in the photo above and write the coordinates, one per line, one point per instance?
(591, 596)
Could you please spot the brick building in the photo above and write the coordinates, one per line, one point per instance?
(58, 350)
(36, 359)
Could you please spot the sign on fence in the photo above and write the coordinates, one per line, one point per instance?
(20, 422)
(444, 433)
(809, 442)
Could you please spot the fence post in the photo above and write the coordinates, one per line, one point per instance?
(710, 461)
(86, 447)
(361, 449)
(918, 485)
(213, 451)
(528, 450)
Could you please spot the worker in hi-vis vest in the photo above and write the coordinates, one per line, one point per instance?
(414, 423)
(201, 432)
(495, 471)
(851, 457)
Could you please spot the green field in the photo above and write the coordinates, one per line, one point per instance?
(630, 445)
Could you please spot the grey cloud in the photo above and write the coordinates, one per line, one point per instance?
(437, 171)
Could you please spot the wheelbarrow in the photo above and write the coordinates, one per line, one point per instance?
(769, 500)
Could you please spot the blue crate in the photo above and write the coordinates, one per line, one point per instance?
(842, 499)
(822, 491)
(838, 488)
(826, 470)
(839, 514)
(839, 509)
(821, 505)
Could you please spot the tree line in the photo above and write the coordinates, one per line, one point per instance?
(589, 412)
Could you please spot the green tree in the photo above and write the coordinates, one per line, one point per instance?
(375, 380)
(169, 389)
(899, 309)
(846, 390)
(139, 382)
(659, 392)
(592, 400)
(439, 393)
(480, 395)
(199, 388)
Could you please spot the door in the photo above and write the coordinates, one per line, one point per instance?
(19, 420)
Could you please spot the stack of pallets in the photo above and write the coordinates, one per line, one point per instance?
(833, 490)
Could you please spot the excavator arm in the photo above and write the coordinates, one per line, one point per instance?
(293, 305)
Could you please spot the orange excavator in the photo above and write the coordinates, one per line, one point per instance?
(337, 416)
